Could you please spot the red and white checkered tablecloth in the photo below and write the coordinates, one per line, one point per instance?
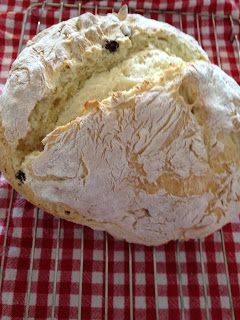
(21, 227)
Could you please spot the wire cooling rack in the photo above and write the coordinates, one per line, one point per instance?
(182, 300)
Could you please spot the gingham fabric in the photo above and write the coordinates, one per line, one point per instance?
(15, 277)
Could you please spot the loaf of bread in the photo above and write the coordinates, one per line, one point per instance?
(121, 123)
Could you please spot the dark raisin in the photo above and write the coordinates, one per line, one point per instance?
(111, 45)
(20, 176)
(147, 212)
(67, 212)
(193, 110)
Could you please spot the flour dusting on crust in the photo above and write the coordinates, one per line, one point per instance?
(148, 160)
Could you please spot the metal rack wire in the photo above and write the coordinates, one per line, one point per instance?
(232, 38)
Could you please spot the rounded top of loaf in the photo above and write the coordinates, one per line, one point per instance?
(38, 70)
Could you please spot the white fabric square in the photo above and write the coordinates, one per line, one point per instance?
(98, 235)
(236, 238)
(97, 277)
(96, 302)
(203, 303)
(33, 299)
(140, 279)
(182, 255)
(225, 302)
(10, 274)
(76, 253)
(7, 298)
(37, 253)
(77, 233)
(222, 280)
(75, 276)
(57, 300)
(7, 60)
(163, 302)
(98, 255)
(14, 252)
(139, 256)
(53, 253)
(162, 279)
(39, 233)
(4, 7)
(118, 256)
(118, 278)
(51, 275)
(49, 302)
(177, 5)
(7, 49)
(1, 229)
(60, 254)
(160, 256)
(35, 275)
(140, 302)
(3, 213)
(184, 279)
(17, 212)
(186, 302)
(219, 257)
(74, 300)
(118, 302)
(200, 278)
(147, 5)
(3, 193)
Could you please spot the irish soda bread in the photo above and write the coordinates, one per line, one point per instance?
(121, 123)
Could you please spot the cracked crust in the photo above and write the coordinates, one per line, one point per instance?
(160, 166)
(157, 162)
(52, 57)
